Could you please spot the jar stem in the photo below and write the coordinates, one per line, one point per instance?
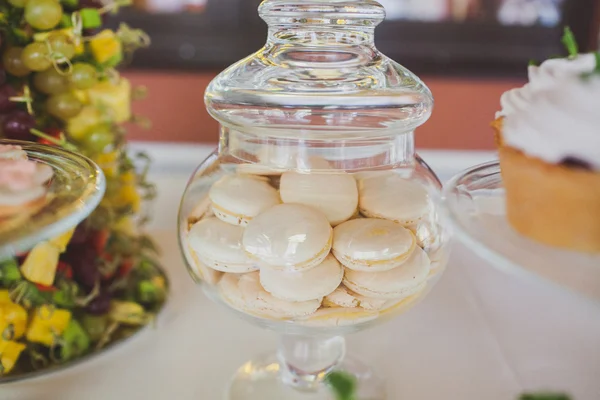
(305, 360)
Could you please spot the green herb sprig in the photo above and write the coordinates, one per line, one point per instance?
(343, 385)
(570, 43)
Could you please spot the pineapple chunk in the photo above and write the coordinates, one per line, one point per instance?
(40, 264)
(89, 117)
(63, 240)
(128, 196)
(4, 297)
(106, 47)
(114, 97)
(9, 355)
(126, 225)
(15, 315)
(108, 163)
(46, 324)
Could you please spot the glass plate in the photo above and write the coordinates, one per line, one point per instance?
(475, 208)
(74, 192)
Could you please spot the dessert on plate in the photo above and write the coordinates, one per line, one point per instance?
(549, 144)
(23, 182)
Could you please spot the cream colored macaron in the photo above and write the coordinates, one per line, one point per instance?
(245, 293)
(289, 236)
(314, 283)
(370, 244)
(204, 273)
(236, 199)
(340, 297)
(399, 282)
(392, 197)
(343, 297)
(335, 194)
(219, 246)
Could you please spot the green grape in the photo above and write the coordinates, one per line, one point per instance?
(61, 45)
(43, 14)
(64, 105)
(13, 63)
(51, 81)
(18, 3)
(84, 76)
(99, 139)
(35, 56)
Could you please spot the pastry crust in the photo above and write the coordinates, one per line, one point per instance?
(552, 204)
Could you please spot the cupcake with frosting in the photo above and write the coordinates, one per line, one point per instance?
(548, 134)
(23, 182)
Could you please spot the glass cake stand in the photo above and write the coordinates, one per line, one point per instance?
(74, 192)
(475, 209)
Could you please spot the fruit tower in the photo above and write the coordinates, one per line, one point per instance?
(99, 282)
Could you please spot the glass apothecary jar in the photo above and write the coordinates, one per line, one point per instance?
(314, 217)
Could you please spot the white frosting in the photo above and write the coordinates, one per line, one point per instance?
(557, 114)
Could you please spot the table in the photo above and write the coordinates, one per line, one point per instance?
(480, 335)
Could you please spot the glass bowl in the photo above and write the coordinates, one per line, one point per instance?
(475, 209)
(315, 218)
(215, 247)
(74, 192)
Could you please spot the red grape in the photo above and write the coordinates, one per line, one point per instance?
(18, 126)
(81, 235)
(83, 260)
(6, 92)
(100, 305)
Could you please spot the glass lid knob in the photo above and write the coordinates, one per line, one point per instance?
(319, 73)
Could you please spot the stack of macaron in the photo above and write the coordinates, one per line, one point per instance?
(324, 248)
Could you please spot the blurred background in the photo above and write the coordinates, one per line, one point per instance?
(468, 51)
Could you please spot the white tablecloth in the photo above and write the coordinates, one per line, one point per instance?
(480, 335)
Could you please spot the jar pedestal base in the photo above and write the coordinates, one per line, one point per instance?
(263, 378)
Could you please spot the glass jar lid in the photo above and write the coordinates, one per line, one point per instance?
(319, 76)
(74, 191)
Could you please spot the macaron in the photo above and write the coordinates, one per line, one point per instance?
(289, 236)
(245, 293)
(392, 197)
(337, 317)
(369, 244)
(236, 199)
(204, 273)
(335, 194)
(200, 211)
(311, 284)
(340, 297)
(219, 246)
(343, 297)
(400, 282)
